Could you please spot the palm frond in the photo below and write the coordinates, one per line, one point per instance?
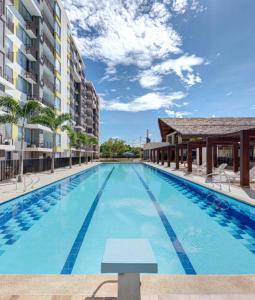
(61, 119)
(44, 120)
(30, 107)
(9, 104)
(8, 119)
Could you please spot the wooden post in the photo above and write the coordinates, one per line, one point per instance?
(162, 156)
(154, 155)
(189, 158)
(215, 162)
(181, 155)
(177, 156)
(208, 156)
(158, 153)
(168, 156)
(235, 158)
(200, 158)
(244, 159)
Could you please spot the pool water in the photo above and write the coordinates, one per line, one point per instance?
(63, 227)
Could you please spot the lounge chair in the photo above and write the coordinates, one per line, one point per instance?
(236, 176)
(218, 176)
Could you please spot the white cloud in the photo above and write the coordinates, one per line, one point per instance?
(181, 66)
(123, 32)
(150, 101)
(177, 114)
(180, 6)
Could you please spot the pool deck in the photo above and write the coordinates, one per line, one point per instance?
(99, 287)
(8, 187)
(246, 195)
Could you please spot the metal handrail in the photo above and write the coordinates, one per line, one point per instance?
(220, 181)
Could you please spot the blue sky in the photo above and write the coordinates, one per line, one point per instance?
(176, 58)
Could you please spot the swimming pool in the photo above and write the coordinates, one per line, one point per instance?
(63, 227)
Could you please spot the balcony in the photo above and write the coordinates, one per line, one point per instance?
(31, 78)
(46, 21)
(31, 53)
(48, 103)
(10, 25)
(51, 9)
(48, 43)
(10, 56)
(49, 84)
(6, 144)
(30, 28)
(48, 64)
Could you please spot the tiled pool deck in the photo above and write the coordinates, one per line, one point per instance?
(154, 287)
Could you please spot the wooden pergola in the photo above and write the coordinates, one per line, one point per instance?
(239, 140)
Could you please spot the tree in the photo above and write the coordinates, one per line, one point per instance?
(92, 140)
(113, 148)
(73, 138)
(55, 122)
(18, 114)
(82, 139)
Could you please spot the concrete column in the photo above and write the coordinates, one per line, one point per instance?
(129, 286)
(244, 159)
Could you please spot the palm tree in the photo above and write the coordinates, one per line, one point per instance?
(92, 141)
(73, 138)
(18, 114)
(50, 119)
(82, 141)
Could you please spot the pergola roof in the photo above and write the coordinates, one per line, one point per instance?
(203, 127)
(153, 145)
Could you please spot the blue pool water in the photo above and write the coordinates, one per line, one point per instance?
(63, 227)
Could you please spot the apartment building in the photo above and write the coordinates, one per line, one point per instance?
(40, 60)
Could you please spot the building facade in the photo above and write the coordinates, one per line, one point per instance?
(39, 60)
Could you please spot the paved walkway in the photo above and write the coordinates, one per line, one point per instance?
(8, 188)
(245, 194)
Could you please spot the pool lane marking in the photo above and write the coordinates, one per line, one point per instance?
(72, 256)
(183, 257)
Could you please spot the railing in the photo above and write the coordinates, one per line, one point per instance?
(10, 25)
(48, 64)
(9, 168)
(49, 84)
(30, 26)
(48, 43)
(30, 51)
(30, 75)
(49, 6)
(47, 103)
(46, 21)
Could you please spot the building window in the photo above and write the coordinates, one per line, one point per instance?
(58, 48)
(22, 60)
(8, 45)
(24, 12)
(58, 66)
(1, 34)
(23, 86)
(57, 11)
(58, 103)
(58, 140)
(58, 85)
(23, 36)
(57, 29)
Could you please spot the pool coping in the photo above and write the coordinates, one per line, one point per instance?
(250, 201)
(21, 194)
(152, 285)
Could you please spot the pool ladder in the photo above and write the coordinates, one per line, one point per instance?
(33, 181)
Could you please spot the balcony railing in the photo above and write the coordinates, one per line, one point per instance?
(49, 6)
(31, 51)
(10, 25)
(31, 76)
(49, 84)
(31, 27)
(48, 43)
(46, 21)
(48, 103)
(48, 64)
(10, 55)
(9, 78)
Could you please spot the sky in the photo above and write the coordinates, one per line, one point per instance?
(166, 58)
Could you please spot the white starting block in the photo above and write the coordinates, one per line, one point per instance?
(128, 258)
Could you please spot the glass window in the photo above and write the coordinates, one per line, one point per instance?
(1, 34)
(58, 140)
(8, 45)
(24, 12)
(23, 36)
(58, 85)
(57, 11)
(58, 103)
(22, 60)
(58, 48)
(58, 65)
(57, 29)
(23, 86)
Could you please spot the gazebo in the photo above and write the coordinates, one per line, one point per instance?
(205, 135)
